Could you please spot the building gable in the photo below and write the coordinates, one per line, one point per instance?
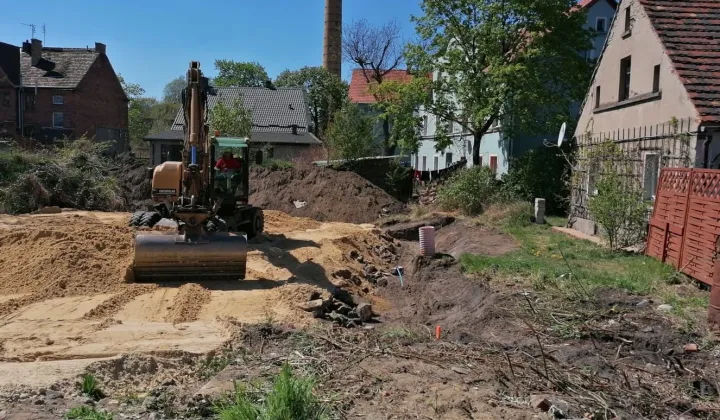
(641, 50)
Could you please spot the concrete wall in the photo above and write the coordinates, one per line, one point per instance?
(646, 51)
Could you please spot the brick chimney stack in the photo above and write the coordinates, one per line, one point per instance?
(332, 49)
(100, 48)
(35, 51)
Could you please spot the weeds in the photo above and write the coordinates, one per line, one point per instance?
(214, 363)
(290, 398)
(90, 387)
(87, 413)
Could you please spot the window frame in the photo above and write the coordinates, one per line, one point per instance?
(650, 195)
(625, 78)
(6, 100)
(61, 102)
(597, 96)
(448, 162)
(53, 120)
(602, 19)
(628, 21)
(494, 169)
(656, 78)
(424, 163)
(436, 163)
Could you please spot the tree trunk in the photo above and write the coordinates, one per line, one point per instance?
(389, 149)
(477, 138)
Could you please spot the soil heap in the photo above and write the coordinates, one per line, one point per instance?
(322, 194)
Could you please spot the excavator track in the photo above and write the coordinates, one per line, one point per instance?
(161, 257)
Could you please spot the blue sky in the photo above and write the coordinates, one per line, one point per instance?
(151, 42)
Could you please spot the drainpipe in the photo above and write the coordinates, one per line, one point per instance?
(706, 150)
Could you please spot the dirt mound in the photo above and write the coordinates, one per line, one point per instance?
(132, 177)
(321, 194)
(49, 258)
(464, 238)
(188, 303)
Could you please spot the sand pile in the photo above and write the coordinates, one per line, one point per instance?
(51, 258)
(321, 194)
(188, 303)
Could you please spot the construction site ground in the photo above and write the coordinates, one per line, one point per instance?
(525, 331)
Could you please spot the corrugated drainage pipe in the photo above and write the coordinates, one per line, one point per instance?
(427, 241)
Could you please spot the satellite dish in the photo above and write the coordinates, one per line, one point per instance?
(561, 136)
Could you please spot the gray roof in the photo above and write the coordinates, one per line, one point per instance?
(282, 107)
(256, 136)
(60, 68)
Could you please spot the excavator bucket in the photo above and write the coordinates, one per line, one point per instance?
(171, 257)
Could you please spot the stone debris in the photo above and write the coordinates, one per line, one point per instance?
(342, 308)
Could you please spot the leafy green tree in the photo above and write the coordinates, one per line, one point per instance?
(327, 93)
(515, 60)
(399, 103)
(132, 90)
(138, 125)
(233, 120)
(377, 50)
(239, 74)
(172, 93)
(350, 135)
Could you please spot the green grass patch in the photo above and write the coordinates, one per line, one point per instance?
(90, 387)
(87, 413)
(552, 259)
(290, 398)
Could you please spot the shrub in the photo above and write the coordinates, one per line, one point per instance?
(618, 207)
(469, 190)
(90, 387)
(350, 135)
(398, 179)
(87, 413)
(540, 173)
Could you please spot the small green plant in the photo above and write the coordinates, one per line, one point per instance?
(618, 207)
(87, 413)
(90, 387)
(214, 363)
(469, 190)
(397, 179)
(290, 398)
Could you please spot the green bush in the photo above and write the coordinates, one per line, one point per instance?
(539, 173)
(290, 398)
(469, 190)
(87, 413)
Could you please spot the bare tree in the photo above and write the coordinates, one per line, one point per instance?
(377, 51)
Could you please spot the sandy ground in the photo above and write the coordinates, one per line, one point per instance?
(50, 329)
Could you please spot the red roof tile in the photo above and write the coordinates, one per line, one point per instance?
(690, 31)
(359, 92)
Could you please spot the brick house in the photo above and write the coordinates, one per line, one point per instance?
(655, 94)
(63, 92)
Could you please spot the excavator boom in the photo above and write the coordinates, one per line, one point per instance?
(185, 190)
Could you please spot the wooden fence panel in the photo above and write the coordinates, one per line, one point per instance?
(685, 223)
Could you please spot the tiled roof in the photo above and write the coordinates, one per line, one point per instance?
(10, 62)
(690, 31)
(282, 107)
(359, 92)
(61, 68)
(166, 135)
(588, 3)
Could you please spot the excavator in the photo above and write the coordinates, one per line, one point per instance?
(210, 208)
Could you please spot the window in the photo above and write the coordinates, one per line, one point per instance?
(436, 163)
(170, 152)
(424, 167)
(425, 126)
(597, 96)
(652, 171)
(58, 100)
(58, 120)
(417, 162)
(600, 24)
(493, 163)
(628, 20)
(29, 101)
(469, 146)
(656, 79)
(448, 159)
(625, 65)
(5, 99)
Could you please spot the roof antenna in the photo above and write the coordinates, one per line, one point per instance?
(32, 27)
(44, 33)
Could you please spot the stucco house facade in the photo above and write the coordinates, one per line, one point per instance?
(496, 149)
(654, 93)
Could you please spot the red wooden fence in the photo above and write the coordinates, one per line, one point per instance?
(685, 222)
